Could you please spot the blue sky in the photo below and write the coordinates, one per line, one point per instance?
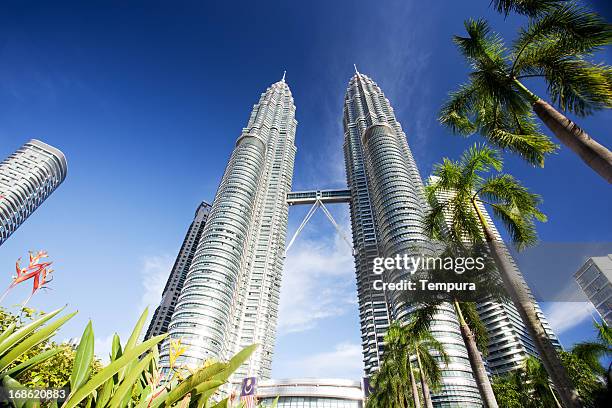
(146, 100)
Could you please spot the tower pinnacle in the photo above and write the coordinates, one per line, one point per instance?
(284, 73)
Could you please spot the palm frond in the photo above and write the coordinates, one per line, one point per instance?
(479, 158)
(591, 353)
(505, 189)
(520, 228)
(579, 86)
(455, 113)
(529, 8)
(570, 29)
(483, 47)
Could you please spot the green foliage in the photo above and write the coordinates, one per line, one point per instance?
(555, 46)
(407, 346)
(391, 384)
(470, 182)
(33, 360)
(527, 7)
(530, 386)
(508, 393)
(131, 379)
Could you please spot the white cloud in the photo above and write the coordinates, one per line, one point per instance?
(318, 283)
(344, 361)
(564, 316)
(154, 273)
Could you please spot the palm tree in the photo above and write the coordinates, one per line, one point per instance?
(496, 103)
(421, 344)
(472, 329)
(591, 352)
(390, 381)
(516, 207)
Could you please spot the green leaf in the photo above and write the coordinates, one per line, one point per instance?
(7, 332)
(131, 343)
(12, 384)
(221, 404)
(33, 340)
(23, 332)
(116, 348)
(133, 339)
(84, 356)
(128, 381)
(100, 378)
(275, 403)
(236, 362)
(202, 380)
(37, 359)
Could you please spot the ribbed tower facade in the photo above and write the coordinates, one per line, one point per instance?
(231, 292)
(161, 318)
(27, 178)
(387, 210)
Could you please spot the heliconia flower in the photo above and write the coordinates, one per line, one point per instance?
(175, 351)
(35, 269)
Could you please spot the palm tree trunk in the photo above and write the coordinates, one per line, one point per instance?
(415, 391)
(478, 368)
(595, 155)
(424, 386)
(517, 290)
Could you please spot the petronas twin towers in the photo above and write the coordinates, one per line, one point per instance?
(230, 295)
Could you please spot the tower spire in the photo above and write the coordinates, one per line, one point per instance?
(284, 73)
(357, 72)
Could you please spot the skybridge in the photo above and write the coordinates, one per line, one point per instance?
(318, 199)
(324, 196)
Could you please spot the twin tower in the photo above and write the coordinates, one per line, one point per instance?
(230, 294)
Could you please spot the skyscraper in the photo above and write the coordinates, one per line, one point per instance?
(163, 313)
(231, 292)
(595, 280)
(27, 178)
(387, 209)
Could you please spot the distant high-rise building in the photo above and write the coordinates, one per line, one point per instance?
(231, 292)
(163, 313)
(387, 211)
(594, 279)
(27, 178)
(509, 340)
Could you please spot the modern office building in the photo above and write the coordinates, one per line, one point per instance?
(311, 393)
(594, 279)
(387, 210)
(230, 296)
(27, 178)
(509, 340)
(174, 285)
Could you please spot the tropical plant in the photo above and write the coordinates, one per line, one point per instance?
(530, 386)
(554, 47)
(470, 185)
(53, 372)
(421, 344)
(390, 383)
(131, 379)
